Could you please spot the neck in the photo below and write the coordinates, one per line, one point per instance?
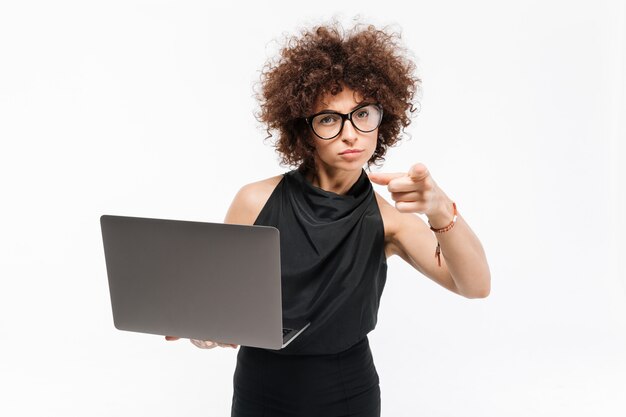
(335, 180)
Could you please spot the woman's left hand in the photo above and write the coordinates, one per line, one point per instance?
(413, 192)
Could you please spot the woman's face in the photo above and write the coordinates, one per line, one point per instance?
(331, 152)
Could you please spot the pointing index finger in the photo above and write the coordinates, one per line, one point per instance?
(383, 178)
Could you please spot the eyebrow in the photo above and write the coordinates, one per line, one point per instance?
(352, 109)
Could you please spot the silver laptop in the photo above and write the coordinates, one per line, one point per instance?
(197, 280)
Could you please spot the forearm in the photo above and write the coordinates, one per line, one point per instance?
(463, 253)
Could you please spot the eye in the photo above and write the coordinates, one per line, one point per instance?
(362, 113)
(328, 119)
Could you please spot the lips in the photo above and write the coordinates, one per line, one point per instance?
(351, 151)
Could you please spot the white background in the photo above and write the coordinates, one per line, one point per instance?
(146, 109)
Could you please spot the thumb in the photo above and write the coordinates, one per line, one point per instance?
(171, 338)
(418, 172)
(383, 178)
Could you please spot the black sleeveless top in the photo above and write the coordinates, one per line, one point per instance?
(333, 262)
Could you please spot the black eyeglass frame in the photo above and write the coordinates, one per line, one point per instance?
(344, 117)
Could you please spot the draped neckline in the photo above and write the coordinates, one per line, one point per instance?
(327, 205)
(359, 186)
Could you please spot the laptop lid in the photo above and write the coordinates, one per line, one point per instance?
(199, 280)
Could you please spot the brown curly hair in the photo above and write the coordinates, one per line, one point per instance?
(323, 59)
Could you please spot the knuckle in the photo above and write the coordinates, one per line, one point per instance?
(401, 206)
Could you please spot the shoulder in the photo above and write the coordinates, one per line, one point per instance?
(250, 199)
(389, 214)
(400, 227)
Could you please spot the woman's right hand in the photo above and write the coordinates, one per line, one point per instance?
(204, 344)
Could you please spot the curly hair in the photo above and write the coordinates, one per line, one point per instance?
(322, 60)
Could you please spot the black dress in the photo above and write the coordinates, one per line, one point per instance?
(333, 269)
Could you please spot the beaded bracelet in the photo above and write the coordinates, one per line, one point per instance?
(443, 230)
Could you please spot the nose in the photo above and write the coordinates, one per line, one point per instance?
(349, 132)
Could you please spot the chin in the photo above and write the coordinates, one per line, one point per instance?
(351, 166)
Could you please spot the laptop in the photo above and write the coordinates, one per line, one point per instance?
(197, 280)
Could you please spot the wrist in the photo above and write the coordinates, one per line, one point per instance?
(438, 229)
(443, 215)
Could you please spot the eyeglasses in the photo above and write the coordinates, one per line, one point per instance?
(328, 124)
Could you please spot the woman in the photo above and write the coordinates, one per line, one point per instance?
(337, 102)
